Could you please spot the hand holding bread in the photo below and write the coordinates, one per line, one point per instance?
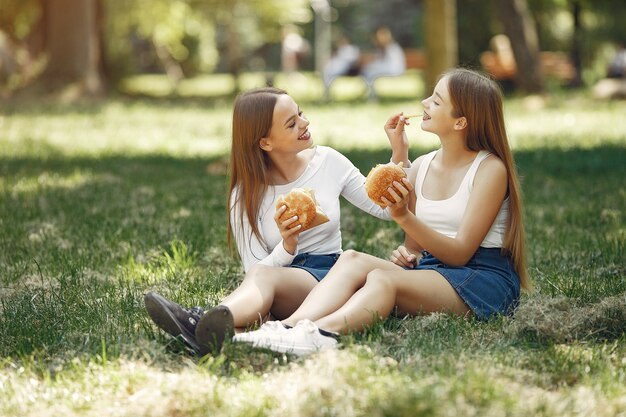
(380, 179)
(301, 202)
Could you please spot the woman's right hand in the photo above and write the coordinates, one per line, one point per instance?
(290, 235)
(403, 257)
(400, 194)
(394, 128)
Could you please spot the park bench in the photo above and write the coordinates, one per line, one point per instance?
(555, 65)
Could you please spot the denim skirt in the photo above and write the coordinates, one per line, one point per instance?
(316, 265)
(488, 283)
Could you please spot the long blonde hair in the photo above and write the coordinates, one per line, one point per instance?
(249, 164)
(478, 98)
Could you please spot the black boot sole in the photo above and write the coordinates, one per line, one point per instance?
(213, 328)
(161, 315)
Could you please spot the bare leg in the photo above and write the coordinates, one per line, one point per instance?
(414, 292)
(342, 281)
(264, 289)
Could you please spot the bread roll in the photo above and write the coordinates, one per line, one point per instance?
(301, 202)
(382, 177)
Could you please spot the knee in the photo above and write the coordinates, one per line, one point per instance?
(350, 256)
(381, 280)
(258, 273)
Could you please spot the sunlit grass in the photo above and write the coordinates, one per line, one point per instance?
(102, 201)
(117, 126)
(202, 129)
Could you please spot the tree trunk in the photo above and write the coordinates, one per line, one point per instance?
(73, 46)
(519, 26)
(234, 53)
(577, 81)
(441, 39)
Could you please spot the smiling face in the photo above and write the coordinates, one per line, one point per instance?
(439, 114)
(289, 132)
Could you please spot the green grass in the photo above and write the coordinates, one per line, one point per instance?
(102, 201)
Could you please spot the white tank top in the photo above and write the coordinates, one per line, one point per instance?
(445, 216)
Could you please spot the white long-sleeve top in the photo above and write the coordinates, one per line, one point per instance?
(330, 175)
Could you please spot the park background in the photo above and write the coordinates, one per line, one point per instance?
(114, 142)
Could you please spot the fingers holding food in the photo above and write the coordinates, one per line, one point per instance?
(380, 179)
(300, 203)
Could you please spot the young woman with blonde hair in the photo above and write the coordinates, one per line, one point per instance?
(461, 211)
(272, 153)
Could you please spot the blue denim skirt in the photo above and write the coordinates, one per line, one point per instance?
(316, 265)
(488, 283)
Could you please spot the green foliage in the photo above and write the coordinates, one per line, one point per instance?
(193, 31)
(474, 38)
(19, 16)
(184, 33)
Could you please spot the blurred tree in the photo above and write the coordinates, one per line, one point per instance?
(474, 38)
(21, 26)
(169, 34)
(358, 18)
(17, 18)
(246, 25)
(67, 33)
(576, 51)
(73, 44)
(441, 38)
(519, 26)
(586, 29)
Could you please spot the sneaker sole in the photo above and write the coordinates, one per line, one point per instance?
(292, 349)
(165, 319)
(213, 328)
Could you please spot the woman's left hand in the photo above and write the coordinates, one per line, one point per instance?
(400, 193)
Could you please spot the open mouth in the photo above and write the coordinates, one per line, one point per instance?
(305, 136)
(426, 116)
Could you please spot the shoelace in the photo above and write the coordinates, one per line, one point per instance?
(272, 325)
(308, 326)
(195, 313)
(311, 327)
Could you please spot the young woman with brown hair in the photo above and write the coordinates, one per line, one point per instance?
(461, 211)
(272, 153)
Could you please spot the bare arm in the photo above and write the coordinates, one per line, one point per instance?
(409, 253)
(394, 128)
(410, 243)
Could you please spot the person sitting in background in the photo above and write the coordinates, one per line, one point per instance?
(345, 61)
(389, 61)
(617, 66)
(294, 49)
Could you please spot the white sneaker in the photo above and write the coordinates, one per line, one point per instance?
(303, 339)
(267, 327)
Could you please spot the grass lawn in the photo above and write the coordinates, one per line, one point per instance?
(100, 202)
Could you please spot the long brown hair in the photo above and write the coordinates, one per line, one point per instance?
(249, 164)
(478, 98)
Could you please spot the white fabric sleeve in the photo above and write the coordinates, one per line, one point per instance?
(251, 250)
(354, 189)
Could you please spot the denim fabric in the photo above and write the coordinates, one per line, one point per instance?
(488, 283)
(316, 265)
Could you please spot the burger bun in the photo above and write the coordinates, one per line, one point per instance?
(380, 178)
(301, 202)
